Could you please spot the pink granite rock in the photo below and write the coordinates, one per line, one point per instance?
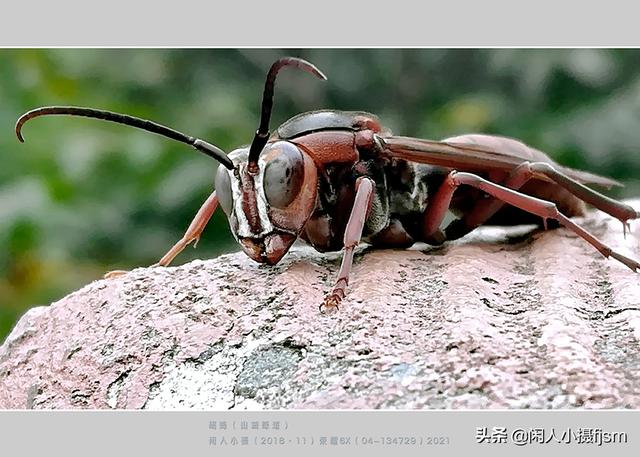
(495, 320)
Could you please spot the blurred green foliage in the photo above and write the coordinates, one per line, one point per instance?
(81, 197)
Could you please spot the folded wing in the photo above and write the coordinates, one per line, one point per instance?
(480, 153)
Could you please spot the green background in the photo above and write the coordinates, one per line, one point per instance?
(82, 197)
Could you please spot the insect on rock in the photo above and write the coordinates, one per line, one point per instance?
(336, 178)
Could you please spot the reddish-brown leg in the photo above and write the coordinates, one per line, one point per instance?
(364, 191)
(193, 233)
(542, 208)
(482, 211)
(486, 208)
(610, 206)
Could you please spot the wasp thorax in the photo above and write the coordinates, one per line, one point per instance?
(283, 174)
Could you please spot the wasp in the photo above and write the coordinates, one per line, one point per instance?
(338, 178)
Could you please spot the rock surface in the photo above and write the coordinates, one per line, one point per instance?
(496, 320)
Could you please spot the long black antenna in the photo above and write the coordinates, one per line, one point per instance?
(149, 126)
(262, 134)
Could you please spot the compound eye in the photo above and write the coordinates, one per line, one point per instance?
(223, 190)
(283, 176)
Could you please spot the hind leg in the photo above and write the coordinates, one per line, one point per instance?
(486, 208)
(542, 208)
(482, 210)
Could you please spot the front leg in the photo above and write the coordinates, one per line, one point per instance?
(194, 230)
(192, 234)
(352, 234)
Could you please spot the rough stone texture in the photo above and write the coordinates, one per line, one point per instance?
(496, 320)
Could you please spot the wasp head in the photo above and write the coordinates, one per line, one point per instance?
(268, 190)
(268, 209)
